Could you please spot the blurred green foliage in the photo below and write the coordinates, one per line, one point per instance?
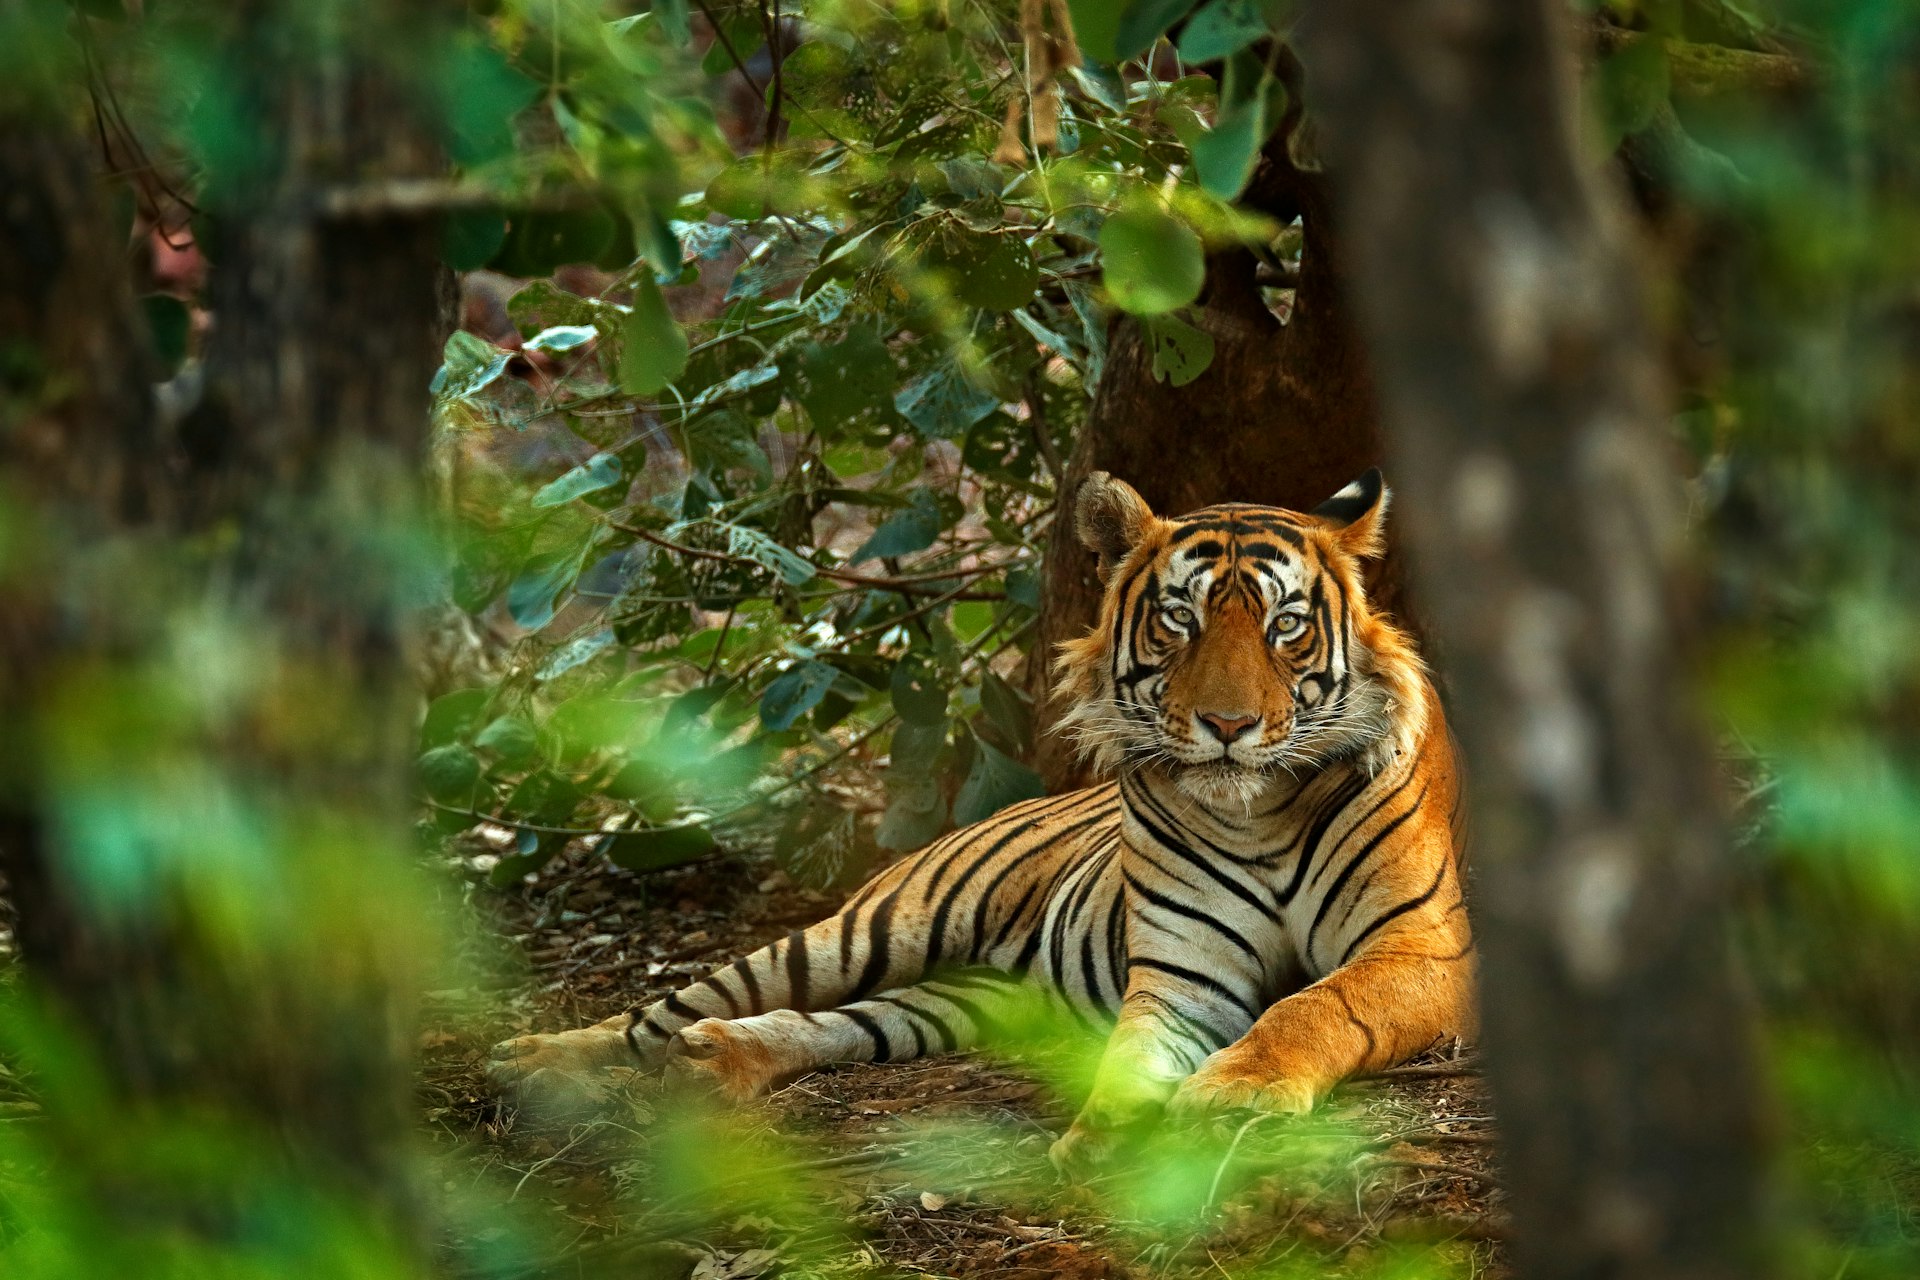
(878, 294)
(763, 508)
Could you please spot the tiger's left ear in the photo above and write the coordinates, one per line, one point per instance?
(1358, 514)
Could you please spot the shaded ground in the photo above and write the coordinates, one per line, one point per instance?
(933, 1167)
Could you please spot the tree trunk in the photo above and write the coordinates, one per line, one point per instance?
(1284, 416)
(278, 524)
(1522, 399)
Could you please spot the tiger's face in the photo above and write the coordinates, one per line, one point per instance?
(1234, 643)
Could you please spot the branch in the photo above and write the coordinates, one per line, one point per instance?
(1704, 70)
(906, 585)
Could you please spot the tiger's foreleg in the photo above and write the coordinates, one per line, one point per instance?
(742, 1057)
(1397, 997)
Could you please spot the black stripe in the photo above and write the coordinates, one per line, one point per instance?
(1196, 978)
(1346, 872)
(744, 966)
(1018, 825)
(799, 989)
(882, 1048)
(1347, 793)
(1116, 950)
(1089, 976)
(1205, 1034)
(879, 944)
(948, 1040)
(1162, 901)
(1219, 877)
(681, 1009)
(1411, 904)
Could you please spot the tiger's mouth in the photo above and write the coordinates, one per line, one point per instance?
(1222, 783)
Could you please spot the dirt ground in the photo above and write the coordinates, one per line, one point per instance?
(933, 1167)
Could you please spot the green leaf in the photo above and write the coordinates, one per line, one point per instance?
(1223, 28)
(743, 36)
(168, 324)
(470, 237)
(573, 653)
(797, 691)
(844, 379)
(452, 716)
(543, 305)
(1142, 22)
(824, 304)
(531, 596)
(657, 848)
(1181, 352)
(916, 813)
(598, 472)
(943, 402)
(479, 94)
(995, 781)
(756, 546)
(1051, 339)
(653, 349)
(1224, 155)
(673, 19)
(720, 442)
(470, 363)
(1151, 261)
(543, 796)
(917, 746)
(1096, 25)
(562, 337)
(907, 531)
(510, 738)
(1001, 279)
(1007, 710)
(1023, 586)
(918, 694)
(450, 773)
(539, 241)
(509, 870)
(992, 270)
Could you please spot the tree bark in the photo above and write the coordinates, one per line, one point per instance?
(1523, 404)
(276, 992)
(1284, 416)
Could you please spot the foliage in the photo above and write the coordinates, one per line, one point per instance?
(800, 524)
(769, 503)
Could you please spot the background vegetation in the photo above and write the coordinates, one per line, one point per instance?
(782, 329)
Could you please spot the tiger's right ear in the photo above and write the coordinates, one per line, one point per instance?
(1110, 518)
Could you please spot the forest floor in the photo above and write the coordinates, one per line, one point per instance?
(935, 1167)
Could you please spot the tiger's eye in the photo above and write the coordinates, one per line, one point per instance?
(1179, 615)
(1287, 626)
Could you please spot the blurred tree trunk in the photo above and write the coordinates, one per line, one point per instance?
(1523, 402)
(279, 518)
(1283, 416)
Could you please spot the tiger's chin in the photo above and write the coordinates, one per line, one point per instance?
(1222, 784)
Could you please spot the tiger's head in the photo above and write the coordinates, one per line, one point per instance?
(1236, 643)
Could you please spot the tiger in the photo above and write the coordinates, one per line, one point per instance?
(1266, 899)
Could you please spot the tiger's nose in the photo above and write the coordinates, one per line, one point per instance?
(1226, 727)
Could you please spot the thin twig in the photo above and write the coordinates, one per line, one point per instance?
(908, 585)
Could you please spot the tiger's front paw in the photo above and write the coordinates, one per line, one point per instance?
(721, 1058)
(1083, 1150)
(1224, 1083)
(1104, 1129)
